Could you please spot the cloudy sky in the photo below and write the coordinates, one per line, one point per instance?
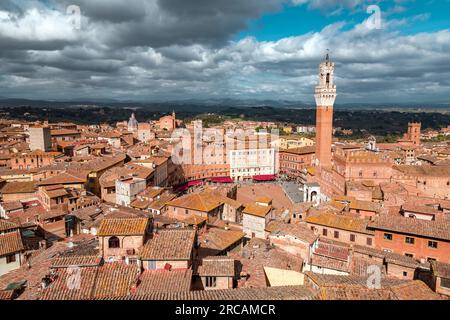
(153, 50)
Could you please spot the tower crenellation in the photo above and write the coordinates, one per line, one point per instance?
(325, 93)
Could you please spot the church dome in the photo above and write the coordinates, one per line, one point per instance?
(132, 123)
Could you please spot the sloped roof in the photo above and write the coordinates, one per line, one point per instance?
(411, 170)
(299, 231)
(76, 260)
(163, 281)
(438, 229)
(217, 266)
(60, 290)
(269, 293)
(115, 280)
(123, 226)
(220, 239)
(300, 151)
(65, 178)
(13, 205)
(441, 269)
(7, 225)
(202, 201)
(173, 244)
(257, 210)
(10, 243)
(19, 187)
(339, 222)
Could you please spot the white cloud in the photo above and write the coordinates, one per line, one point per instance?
(37, 25)
(43, 57)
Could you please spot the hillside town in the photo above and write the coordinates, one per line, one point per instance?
(170, 210)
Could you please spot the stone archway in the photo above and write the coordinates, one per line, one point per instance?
(313, 196)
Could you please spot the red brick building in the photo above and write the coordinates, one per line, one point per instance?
(32, 160)
(420, 239)
(293, 161)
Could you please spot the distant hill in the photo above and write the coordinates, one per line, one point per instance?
(217, 104)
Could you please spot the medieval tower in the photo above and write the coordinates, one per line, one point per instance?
(325, 96)
(414, 132)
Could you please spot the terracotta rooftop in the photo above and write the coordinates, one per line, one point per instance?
(108, 179)
(64, 132)
(111, 134)
(328, 280)
(361, 266)
(439, 229)
(263, 199)
(300, 151)
(115, 280)
(269, 293)
(76, 260)
(257, 254)
(424, 170)
(402, 260)
(152, 192)
(65, 178)
(193, 220)
(441, 269)
(19, 187)
(202, 201)
(55, 192)
(339, 222)
(123, 226)
(330, 263)
(163, 281)
(6, 225)
(33, 273)
(217, 239)
(61, 288)
(217, 266)
(139, 204)
(223, 198)
(414, 290)
(369, 251)
(103, 163)
(333, 250)
(409, 207)
(173, 244)
(364, 205)
(299, 231)
(257, 210)
(10, 242)
(13, 205)
(248, 193)
(161, 202)
(96, 282)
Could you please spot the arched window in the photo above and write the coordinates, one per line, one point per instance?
(114, 242)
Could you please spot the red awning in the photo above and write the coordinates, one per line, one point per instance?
(265, 177)
(222, 179)
(187, 185)
(194, 183)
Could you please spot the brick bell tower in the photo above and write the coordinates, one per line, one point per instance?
(325, 96)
